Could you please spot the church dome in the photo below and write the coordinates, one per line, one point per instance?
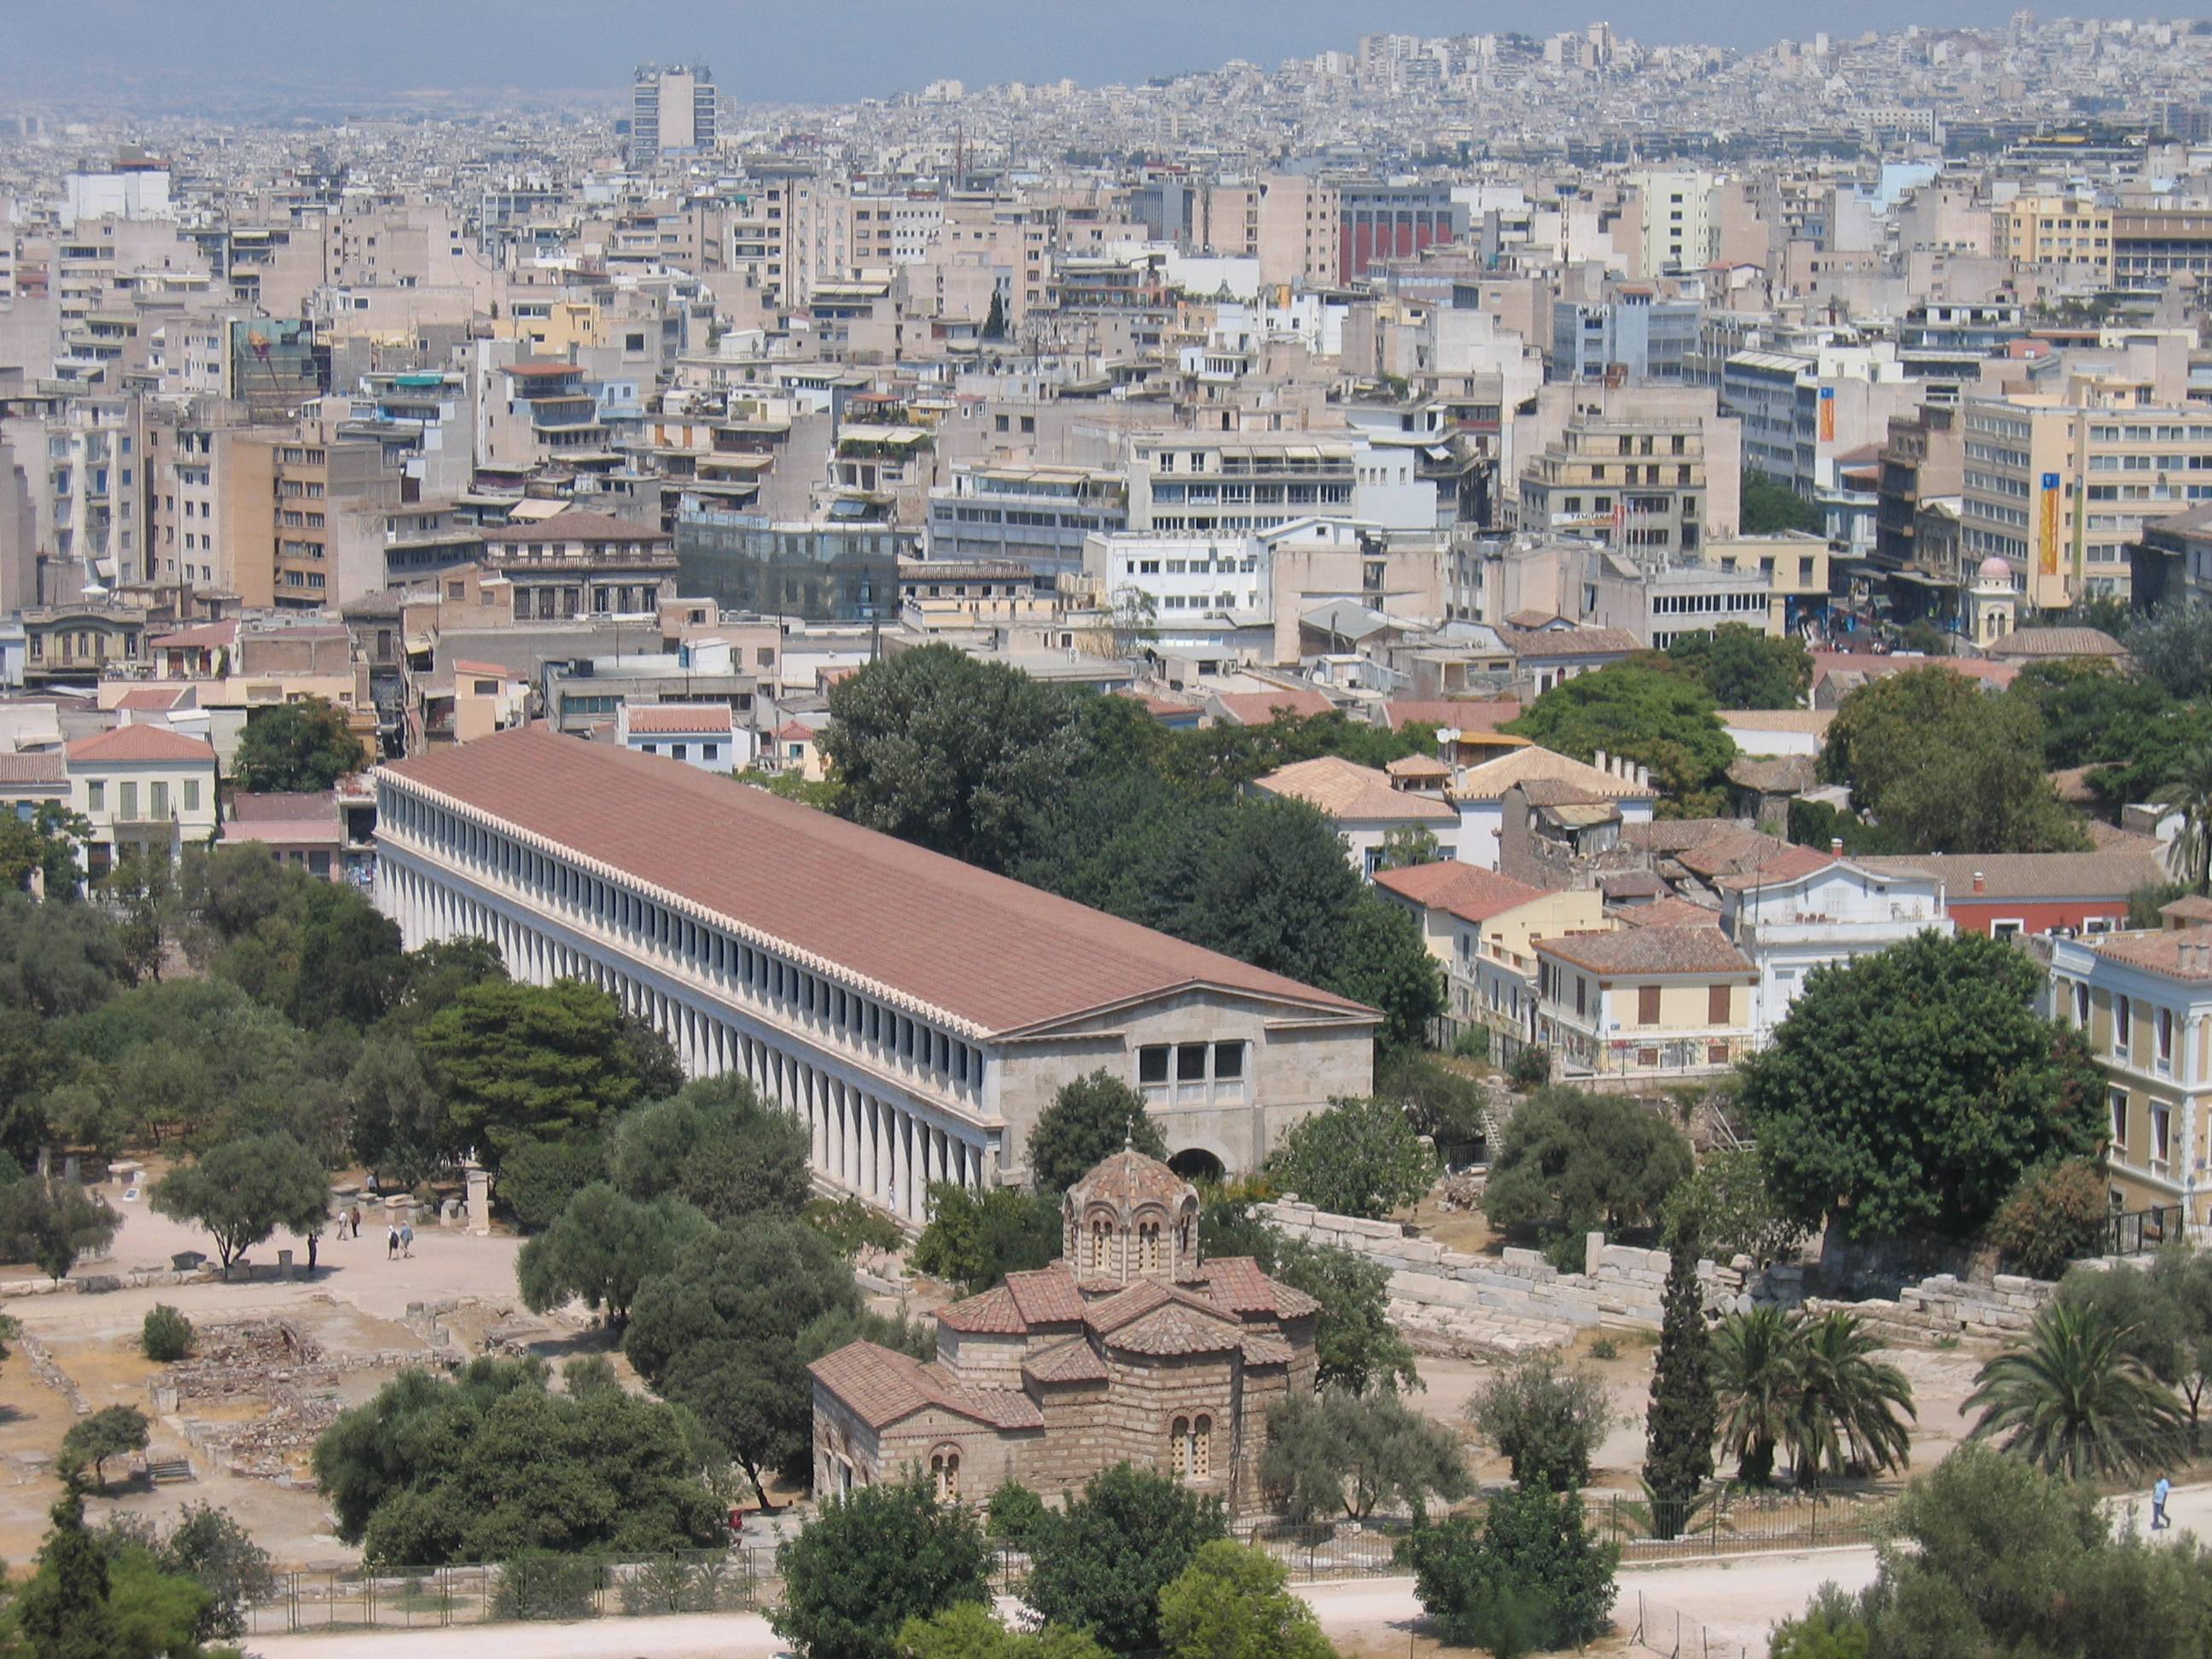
(1130, 1217)
(1994, 569)
(1127, 1179)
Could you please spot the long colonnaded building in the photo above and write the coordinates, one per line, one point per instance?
(915, 1013)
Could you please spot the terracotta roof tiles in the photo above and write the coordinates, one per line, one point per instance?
(1046, 1296)
(1346, 789)
(1650, 951)
(126, 744)
(1073, 1361)
(987, 951)
(1465, 891)
(883, 1386)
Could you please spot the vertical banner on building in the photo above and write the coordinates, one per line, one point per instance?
(1828, 414)
(2046, 529)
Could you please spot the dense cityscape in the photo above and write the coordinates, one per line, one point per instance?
(1407, 851)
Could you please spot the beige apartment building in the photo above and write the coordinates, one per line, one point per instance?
(2059, 490)
(2054, 230)
(1635, 483)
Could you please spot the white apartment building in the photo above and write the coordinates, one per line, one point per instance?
(1805, 909)
(142, 788)
(1206, 595)
(1207, 482)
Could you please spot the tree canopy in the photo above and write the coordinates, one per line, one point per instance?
(719, 1333)
(1100, 1563)
(602, 1248)
(242, 1191)
(1577, 1160)
(873, 1560)
(1908, 1092)
(1233, 1601)
(1946, 767)
(1656, 718)
(1739, 666)
(717, 1147)
(1768, 505)
(1357, 1452)
(1360, 1158)
(299, 745)
(1088, 1121)
(492, 1465)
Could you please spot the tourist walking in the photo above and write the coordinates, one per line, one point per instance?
(313, 1239)
(2159, 1494)
(391, 1244)
(407, 1238)
(356, 1221)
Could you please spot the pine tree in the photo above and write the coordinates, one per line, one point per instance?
(994, 322)
(63, 1611)
(1678, 1458)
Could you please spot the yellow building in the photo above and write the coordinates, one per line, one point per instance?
(1647, 1002)
(2054, 230)
(2143, 999)
(1483, 927)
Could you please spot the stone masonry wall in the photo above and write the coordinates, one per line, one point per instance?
(1448, 1300)
(1445, 1300)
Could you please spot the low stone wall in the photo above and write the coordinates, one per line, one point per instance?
(43, 1368)
(1519, 1300)
(1948, 1308)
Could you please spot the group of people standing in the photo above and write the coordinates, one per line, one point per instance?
(398, 1236)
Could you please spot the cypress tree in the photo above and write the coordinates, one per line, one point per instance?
(1684, 1416)
(63, 1611)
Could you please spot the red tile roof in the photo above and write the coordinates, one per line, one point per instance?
(1236, 1283)
(883, 1386)
(142, 743)
(1047, 1296)
(1470, 716)
(1650, 951)
(681, 718)
(45, 767)
(1259, 708)
(577, 527)
(1467, 892)
(1668, 912)
(984, 949)
(988, 1313)
(1073, 1361)
(1346, 790)
(1791, 864)
(154, 699)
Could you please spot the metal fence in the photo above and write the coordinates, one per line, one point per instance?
(1664, 1630)
(1725, 1521)
(2139, 1232)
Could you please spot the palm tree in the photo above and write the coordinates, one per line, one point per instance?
(1848, 1401)
(2074, 1401)
(1755, 1373)
(2189, 791)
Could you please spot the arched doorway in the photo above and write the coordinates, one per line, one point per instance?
(1197, 1165)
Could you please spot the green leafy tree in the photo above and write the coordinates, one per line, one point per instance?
(491, 1466)
(1359, 1452)
(111, 1431)
(854, 1226)
(301, 745)
(212, 1549)
(351, 967)
(49, 843)
(1356, 1348)
(1849, 1406)
(242, 1191)
(1089, 1120)
(1990, 1555)
(2189, 791)
(62, 1612)
(2183, 1280)
(2058, 1214)
(828, 1332)
(601, 1247)
(1767, 506)
(1100, 1564)
(395, 1118)
(1445, 1104)
(948, 751)
(718, 1334)
(1577, 1160)
(1235, 1603)
(1529, 1578)
(714, 1146)
(1017, 1513)
(1409, 845)
(1383, 963)
(1660, 719)
(1360, 1158)
(869, 1562)
(1910, 1090)
(516, 1061)
(57, 960)
(2172, 646)
(1683, 1417)
(1546, 1420)
(1946, 767)
(1740, 667)
(1727, 1204)
(2073, 1400)
(975, 1238)
(51, 1222)
(970, 1630)
(141, 891)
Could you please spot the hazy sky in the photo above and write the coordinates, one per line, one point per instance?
(827, 49)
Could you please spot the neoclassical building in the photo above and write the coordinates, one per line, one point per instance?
(915, 1013)
(1129, 1349)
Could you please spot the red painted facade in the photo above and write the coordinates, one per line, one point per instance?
(1980, 913)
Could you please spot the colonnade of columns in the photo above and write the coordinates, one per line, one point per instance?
(878, 1147)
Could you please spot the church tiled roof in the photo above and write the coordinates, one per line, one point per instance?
(882, 1386)
(1127, 1178)
(1237, 1283)
(1073, 1361)
(993, 1313)
(1178, 1328)
(1046, 1296)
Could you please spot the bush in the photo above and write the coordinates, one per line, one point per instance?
(167, 1336)
(1574, 1160)
(537, 1178)
(545, 1585)
(2056, 1215)
(1529, 1069)
(1546, 1420)
(1532, 1578)
(1360, 1158)
(1473, 1042)
(1016, 1514)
